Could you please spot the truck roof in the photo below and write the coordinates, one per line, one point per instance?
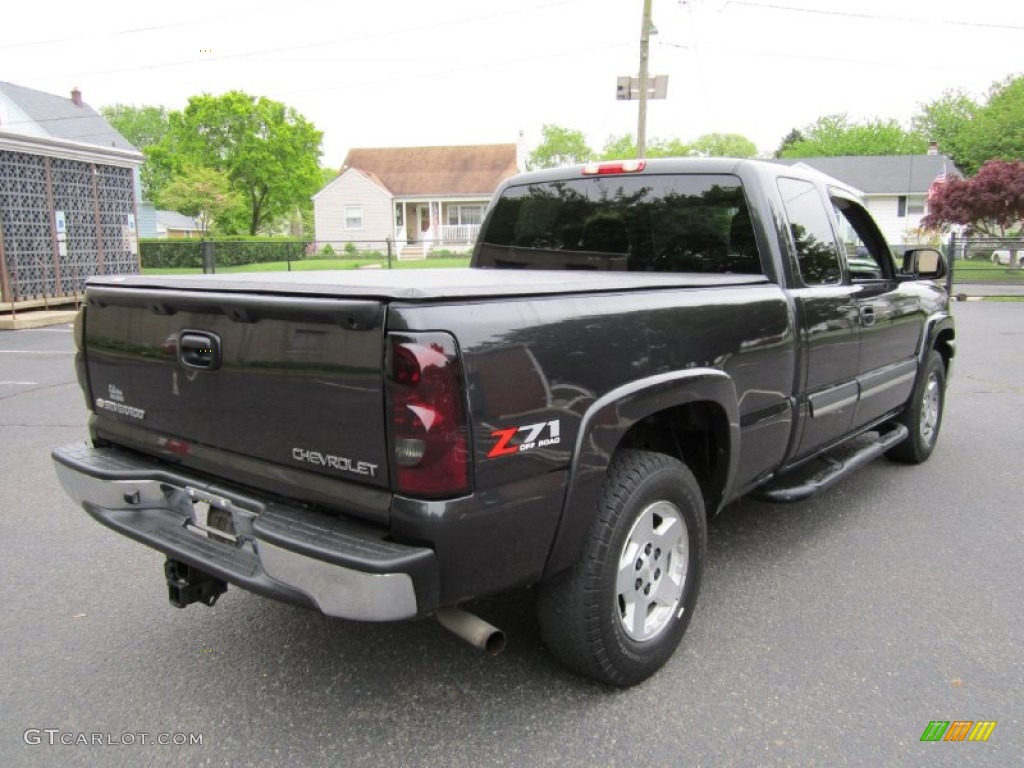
(691, 165)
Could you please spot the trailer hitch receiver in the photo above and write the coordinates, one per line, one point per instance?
(187, 585)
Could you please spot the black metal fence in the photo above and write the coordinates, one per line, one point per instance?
(211, 255)
(987, 260)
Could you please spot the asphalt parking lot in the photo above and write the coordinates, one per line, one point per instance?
(829, 633)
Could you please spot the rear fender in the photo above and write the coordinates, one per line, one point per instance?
(602, 430)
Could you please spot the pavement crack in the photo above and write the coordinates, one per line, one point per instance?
(37, 389)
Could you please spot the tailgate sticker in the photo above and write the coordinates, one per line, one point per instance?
(116, 404)
(529, 437)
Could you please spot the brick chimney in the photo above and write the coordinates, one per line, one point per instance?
(933, 147)
(76, 96)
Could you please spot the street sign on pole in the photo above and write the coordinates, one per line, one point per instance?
(628, 88)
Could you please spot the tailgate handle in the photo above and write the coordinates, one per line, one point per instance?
(197, 349)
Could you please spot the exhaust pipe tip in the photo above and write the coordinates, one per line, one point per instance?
(472, 629)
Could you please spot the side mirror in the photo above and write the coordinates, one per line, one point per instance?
(925, 263)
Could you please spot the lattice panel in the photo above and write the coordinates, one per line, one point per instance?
(115, 196)
(72, 193)
(27, 219)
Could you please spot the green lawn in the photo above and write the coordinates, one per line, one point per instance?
(320, 264)
(971, 271)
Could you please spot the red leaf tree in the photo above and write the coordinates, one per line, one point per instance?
(990, 203)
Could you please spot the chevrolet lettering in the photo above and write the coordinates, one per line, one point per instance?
(341, 463)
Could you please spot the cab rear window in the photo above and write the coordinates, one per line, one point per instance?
(649, 223)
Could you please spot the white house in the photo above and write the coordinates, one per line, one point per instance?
(417, 197)
(894, 187)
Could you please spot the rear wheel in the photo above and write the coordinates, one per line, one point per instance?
(923, 416)
(618, 614)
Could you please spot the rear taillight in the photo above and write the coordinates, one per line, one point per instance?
(614, 168)
(429, 435)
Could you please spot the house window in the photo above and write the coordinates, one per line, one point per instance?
(909, 206)
(466, 215)
(353, 217)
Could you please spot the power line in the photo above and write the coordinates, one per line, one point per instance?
(872, 16)
(517, 61)
(134, 31)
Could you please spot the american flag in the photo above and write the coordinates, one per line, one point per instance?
(938, 181)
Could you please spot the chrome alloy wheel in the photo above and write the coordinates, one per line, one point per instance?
(652, 571)
(931, 407)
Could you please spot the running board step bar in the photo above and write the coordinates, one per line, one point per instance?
(828, 469)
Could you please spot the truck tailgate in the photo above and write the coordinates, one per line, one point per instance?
(296, 382)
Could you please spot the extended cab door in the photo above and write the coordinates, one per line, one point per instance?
(889, 311)
(828, 316)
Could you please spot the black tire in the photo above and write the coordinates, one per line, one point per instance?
(923, 415)
(619, 625)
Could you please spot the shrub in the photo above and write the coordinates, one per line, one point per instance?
(163, 254)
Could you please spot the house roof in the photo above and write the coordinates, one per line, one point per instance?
(882, 174)
(61, 118)
(175, 220)
(410, 171)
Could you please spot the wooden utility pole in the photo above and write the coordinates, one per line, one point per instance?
(645, 40)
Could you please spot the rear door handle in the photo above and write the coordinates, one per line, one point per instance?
(867, 316)
(199, 349)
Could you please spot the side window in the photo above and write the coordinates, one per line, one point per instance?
(353, 217)
(867, 255)
(811, 228)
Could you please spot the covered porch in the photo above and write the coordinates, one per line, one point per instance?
(425, 224)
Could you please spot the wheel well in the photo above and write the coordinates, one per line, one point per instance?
(944, 346)
(695, 433)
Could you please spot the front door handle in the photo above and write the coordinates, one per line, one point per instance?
(199, 349)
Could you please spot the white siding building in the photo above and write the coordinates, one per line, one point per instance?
(894, 187)
(418, 198)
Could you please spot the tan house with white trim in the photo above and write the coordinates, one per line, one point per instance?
(419, 198)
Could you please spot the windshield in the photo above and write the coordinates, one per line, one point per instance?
(670, 223)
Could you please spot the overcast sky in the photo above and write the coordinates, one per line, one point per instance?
(401, 73)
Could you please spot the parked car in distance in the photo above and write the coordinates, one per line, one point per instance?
(1003, 257)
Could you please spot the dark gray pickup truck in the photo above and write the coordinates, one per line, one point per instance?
(636, 345)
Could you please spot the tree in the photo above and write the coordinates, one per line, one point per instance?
(723, 145)
(269, 153)
(708, 145)
(944, 121)
(624, 147)
(560, 146)
(327, 175)
(203, 193)
(619, 147)
(996, 131)
(835, 136)
(990, 203)
(143, 127)
(791, 138)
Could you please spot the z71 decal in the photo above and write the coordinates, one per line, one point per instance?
(525, 438)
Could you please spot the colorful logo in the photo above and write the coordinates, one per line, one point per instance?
(958, 730)
(522, 439)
